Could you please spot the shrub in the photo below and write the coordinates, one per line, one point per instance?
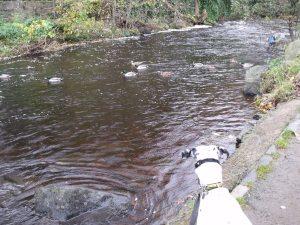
(240, 9)
(75, 20)
(10, 31)
(267, 8)
(36, 29)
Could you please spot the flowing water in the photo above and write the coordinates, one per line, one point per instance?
(99, 130)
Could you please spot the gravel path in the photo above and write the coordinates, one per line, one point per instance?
(276, 200)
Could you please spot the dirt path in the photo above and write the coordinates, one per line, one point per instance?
(276, 200)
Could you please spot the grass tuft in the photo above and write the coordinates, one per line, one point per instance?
(262, 171)
(275, 155)
(242, 201)
(284, 139)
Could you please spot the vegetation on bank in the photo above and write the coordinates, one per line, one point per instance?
(284, 139)
(265, 8)
(73, 21)
(280, 83)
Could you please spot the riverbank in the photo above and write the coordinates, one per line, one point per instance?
(55, 46)
(249, 160)
(247, 156)
(73, 22)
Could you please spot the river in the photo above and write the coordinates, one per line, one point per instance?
(99, 130)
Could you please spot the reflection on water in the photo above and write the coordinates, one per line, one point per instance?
(102, 131)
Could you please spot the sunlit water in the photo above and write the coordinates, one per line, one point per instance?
(102, 131)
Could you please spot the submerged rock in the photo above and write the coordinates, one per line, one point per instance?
(12, 177)
(253, 80)
(65, 202)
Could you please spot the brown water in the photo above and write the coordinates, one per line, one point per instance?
(99, 130)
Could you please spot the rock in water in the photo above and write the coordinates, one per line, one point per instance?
(65, 202)
(4, 77)
(198, 65)
(142, 67)
(130, 74)
(253, 79)
(247, 65)
(136, 64)
(55, 80)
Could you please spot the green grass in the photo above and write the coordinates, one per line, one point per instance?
(284, 139)
(280, 81)
(242, 201)
(262, 171)
(278, 84)
(275, 155)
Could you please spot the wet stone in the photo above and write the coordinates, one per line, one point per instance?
(295, 127)
(250, 178)
(253, 80)
(65, 202)
(265, 160)
(239, 191)
(271, 150)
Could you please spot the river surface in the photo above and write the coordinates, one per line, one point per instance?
(99, 130)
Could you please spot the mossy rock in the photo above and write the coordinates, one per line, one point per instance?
(292, 51)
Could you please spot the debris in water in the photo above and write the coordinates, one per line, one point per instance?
(233, 61)
(256, 117)
(166, 74)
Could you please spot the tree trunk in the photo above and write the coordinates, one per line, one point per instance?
(128, 12)
(114, 9)
(197, 13)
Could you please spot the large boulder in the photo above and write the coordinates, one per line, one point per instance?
(292, 51)
(65, 202)
(253, 80)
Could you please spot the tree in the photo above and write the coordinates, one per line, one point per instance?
(197, 13)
